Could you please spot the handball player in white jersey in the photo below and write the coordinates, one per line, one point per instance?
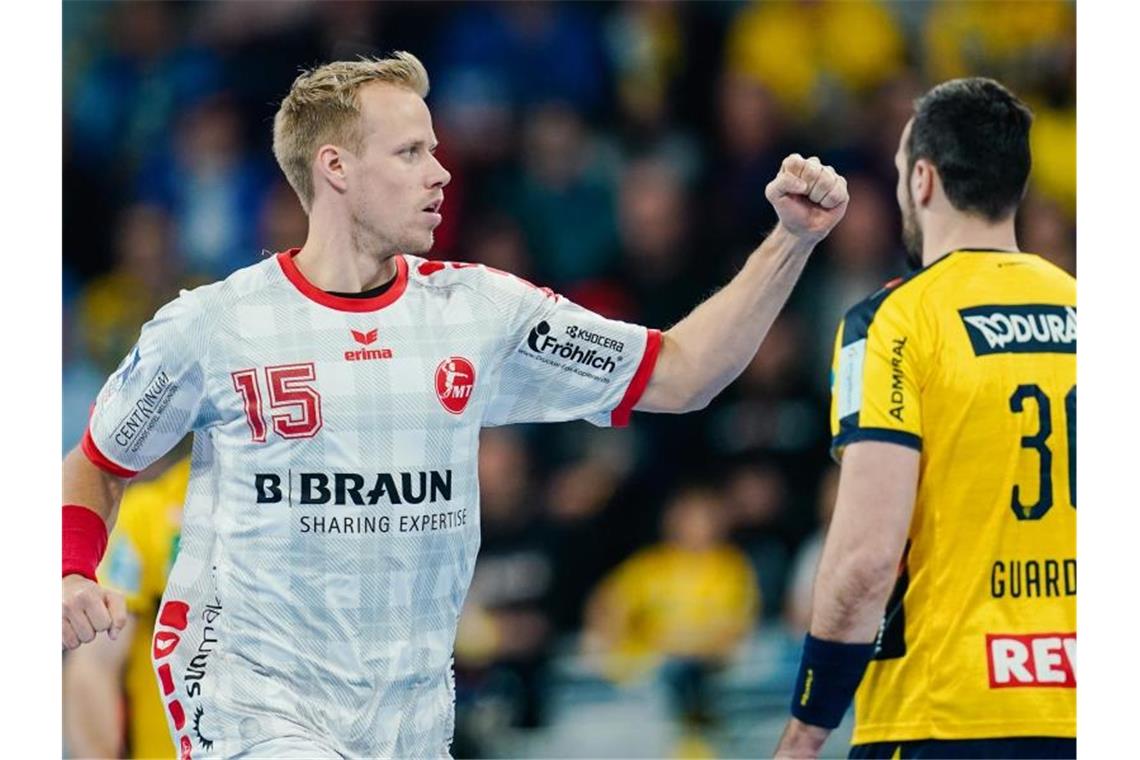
(336, 393)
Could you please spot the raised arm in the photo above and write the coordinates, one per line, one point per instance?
(710, 347)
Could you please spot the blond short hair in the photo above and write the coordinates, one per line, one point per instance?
(323, 106)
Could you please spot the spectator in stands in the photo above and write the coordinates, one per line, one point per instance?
(774, 405)
(125, 99)
(1044, 229)
(562, 199)
(750, 140)
(509, 46)
(282, 223)
(680, 607)
(756, 497)
(801, 51)
(112, 307)
(211, 187)
(501, 644)
(646, 47)
(82, 381)
(497, 241)
(657, 265)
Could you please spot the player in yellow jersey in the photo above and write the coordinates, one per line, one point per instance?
(954, 409)
(110, 690)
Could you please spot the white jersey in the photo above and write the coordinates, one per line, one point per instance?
(332, 517)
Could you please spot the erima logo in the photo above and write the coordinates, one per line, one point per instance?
(365, 338)
(1027, 329)
(542, 342)
(366, 354)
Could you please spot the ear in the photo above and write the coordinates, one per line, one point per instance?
(922, 180)
(330, 167)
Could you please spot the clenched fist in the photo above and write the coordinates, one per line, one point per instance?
(809, 198)
(89, 608)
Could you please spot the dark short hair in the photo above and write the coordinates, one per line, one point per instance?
(976, 133)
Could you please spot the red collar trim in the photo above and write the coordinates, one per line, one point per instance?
(340, 303)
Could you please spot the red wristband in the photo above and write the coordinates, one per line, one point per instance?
(84, 541)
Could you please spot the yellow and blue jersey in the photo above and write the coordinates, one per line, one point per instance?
(140, 553)
(972, 362)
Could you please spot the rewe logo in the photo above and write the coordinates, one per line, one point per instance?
(454, 383)
(366, 354)
(1032, 328)
(1036, 659)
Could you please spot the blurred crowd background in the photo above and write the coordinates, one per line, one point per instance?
(640, 592)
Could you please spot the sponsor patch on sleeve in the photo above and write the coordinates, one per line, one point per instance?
(849, 378)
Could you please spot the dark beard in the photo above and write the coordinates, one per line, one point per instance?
(911, 234)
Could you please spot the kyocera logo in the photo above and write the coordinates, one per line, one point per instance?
(542, 342)
(1039, 659)
(1024, 329)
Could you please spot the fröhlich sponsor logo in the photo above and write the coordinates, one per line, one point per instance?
(542, 342)
(1024, 329)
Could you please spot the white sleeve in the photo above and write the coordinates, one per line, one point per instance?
(569, 363)
(156, 395)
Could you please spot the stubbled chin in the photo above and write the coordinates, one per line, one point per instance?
(419, 244)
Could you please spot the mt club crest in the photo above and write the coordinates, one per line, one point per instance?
(454, 383)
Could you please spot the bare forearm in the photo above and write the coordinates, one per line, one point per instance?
(92, 699)
(86, 485)
(710, 347)
(850, 598)
(92, 719)
(865, 542)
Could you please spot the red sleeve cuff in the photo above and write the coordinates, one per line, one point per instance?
(620, 416)
(97, 458)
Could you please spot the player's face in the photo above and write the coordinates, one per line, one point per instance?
(397, 184)
(911, 229)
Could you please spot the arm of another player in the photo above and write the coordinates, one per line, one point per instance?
(88, 608)
(92, 696)
(857, 570)
(710, 347)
